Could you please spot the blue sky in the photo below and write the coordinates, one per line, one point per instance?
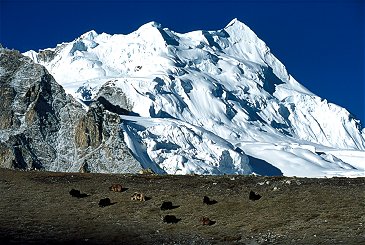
(321, 42)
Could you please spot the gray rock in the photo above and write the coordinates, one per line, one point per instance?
(42, 127)
(114, 99)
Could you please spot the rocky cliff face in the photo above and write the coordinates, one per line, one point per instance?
(42, 127)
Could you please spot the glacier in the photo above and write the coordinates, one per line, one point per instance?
(208, 102)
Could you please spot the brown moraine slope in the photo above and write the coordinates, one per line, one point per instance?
(36, 207)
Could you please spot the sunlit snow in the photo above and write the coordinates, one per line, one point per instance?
(210, 102)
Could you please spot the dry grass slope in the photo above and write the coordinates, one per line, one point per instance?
(36, 207)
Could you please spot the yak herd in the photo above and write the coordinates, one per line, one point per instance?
(166, 205)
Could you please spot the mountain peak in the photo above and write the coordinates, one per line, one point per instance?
(151, 24)
(241, 31)
(90, 35)
(235, 22)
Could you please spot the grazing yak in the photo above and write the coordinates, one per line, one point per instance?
(105, 202)
(116, 188)
(77, 193)
(207, 221)
(167, 206)
(207, 201)
(170, 219)
(138, 197)
(254, 196)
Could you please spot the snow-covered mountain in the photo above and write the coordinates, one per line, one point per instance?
(208, 102)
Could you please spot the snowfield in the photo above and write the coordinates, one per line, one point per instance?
(209, 102)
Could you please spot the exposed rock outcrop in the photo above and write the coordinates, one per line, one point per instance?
(42, 127)
(114, 99)
(98, 137)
